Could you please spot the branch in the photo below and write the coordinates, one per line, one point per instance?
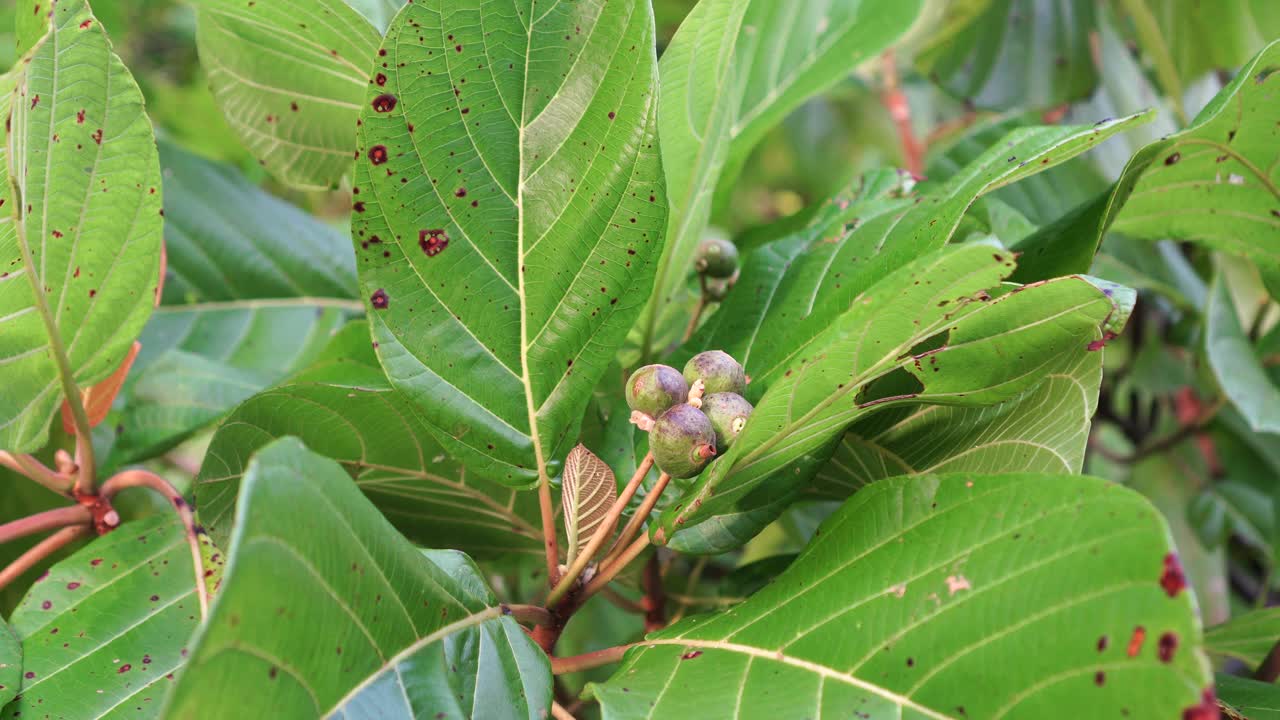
(559, 713)
(42, 521)
(602, 533)
(587, 661)
(634, 524)
(608, 572)
(151, 481)
(697, 310)
(42, 550)
(900, 110)
(655, 598)
(549, 540)
(28, 466)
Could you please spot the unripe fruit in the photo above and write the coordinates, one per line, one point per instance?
(717, 258)
(682, 441)
(728, 413)
(718, 371)
(654, 388)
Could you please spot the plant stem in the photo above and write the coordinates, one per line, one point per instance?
(559, 713)
(32, 468)
(608, 572)
(151, 481)
(47, 520)
(637, 521)
(1267, 672)
(549, 541)
(900, 110)
(655, 598)
(532, 614)
(621, 601)
(587, 661)
(42, 550)
(697, 310)
(602, 533)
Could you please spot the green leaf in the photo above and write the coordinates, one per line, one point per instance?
(289, 76)
(733, 71)
(1249, 699)
(1045, 430)
(1236, 365)
(104, 632)
(369, 626)
(10, 664)
(1247, 638)
(344, 405)
(227, 239)
(1214, 182)
(945, 596)
(378, 12)
(939, 301)
(1013, 53)
(511, 220)
(199, 361)
(79, 256)
(791, 293)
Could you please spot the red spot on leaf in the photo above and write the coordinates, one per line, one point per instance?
(1206, 709)
(1173, 159)
(378, 154)
(124, 669)
(1099, 678)
(1167, 646)
(97, 136)
(80, 117)
(384, 103)
(691, 655)
(1135, 641)
(432, 242)
(380, 79)
(379, 299)
(86, 24)
(1173, 580)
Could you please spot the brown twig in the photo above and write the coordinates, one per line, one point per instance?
(42, 550)
(602, 533)
(1267, 672)
(32, 468)
(607, 573)
(559, 713)
(587, 661)
(151, 481)
(43, 521)
(900, 110)
(637, 521)
(550, 542)
(655, 597)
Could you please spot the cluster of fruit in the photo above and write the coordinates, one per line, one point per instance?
(691, 416)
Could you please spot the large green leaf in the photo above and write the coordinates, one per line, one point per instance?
(227, 239)
(1247, 638)
(1236, 364)
(289, 76)
(330, 612)
(1216, 181)
(511, 219)
(945, 596)
(80, 252)
(199, 361)
(1247, 699)
(933, 319)
(734, 70)
(344, 406)
(1013, 53)
(1045, 429)
(104, 632)
(791, 290)
(10, 664)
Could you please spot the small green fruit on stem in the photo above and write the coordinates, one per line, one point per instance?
(717, 258)
(682, 441)
(654, 388)
(728, 413)
(718, 371)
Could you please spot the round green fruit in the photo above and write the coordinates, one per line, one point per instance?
(654, 388)
(728, 413)
(682, 441)
(717, 258)
(718, 371)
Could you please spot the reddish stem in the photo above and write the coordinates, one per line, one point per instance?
(637, 521)
(607, 573)
(43, 521)
(28, 466)
(151, 481)
(655, 597)
(549, 540)
(587, 661)
(900, 110)
(42, 550)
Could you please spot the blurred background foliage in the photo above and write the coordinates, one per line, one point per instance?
(968, 71)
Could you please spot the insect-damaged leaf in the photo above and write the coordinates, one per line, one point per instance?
(332, 613)
(80, 243)
(344, 405)
(588, 491)
(509, 199)
(946, 597)
(114, 617)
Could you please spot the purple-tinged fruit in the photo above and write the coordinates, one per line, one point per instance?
(718, 371)
(654, 388)
(728, 413)
(682, 441)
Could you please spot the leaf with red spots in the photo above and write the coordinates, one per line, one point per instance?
(917, 586)
(389, 630)
(343, 406)
(320, 54)
(96, 196)
(87, 621)
(10, 664)
(505, 204)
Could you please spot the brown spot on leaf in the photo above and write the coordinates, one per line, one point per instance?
(1135, 641)
(433, 242)
(384, 103)
(379, 299)
(1167, 646)
(1173, 580)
